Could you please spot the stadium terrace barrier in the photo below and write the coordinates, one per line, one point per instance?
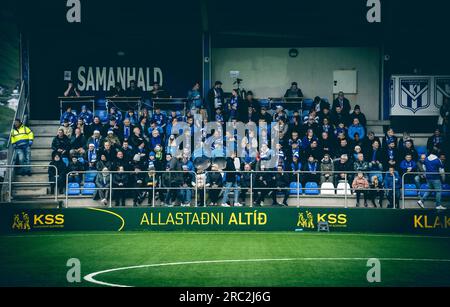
(9, 183)
(71, 101)
(129, 102)
(346, 191)
(156, 174)
(415, 221)
(173, 102)
(112, 188)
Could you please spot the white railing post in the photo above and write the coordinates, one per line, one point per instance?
(67, 190)
(10, 176)
(195, 189)
(393, 191)
(204, 189)
(403, 191)
(56, 183)
(345, 191)
(251, 189)
(153, 190)
(110, 189)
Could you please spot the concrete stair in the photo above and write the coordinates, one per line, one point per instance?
(35, 187)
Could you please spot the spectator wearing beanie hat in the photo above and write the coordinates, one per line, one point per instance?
(359, 115)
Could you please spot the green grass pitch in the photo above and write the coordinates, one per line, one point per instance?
(224, 259)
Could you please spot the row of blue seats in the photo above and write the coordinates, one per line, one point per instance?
(307, 103)
(74, 188)
(311, 188)
(412, 191)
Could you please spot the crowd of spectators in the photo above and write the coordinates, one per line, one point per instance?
(328, 143)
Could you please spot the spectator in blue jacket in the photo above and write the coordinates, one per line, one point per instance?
(69, 116)
(356, 128)
(408, 165)
(433, 167)
(86, 116)
(393, 184)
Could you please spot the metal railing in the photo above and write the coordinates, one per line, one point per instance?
(419, 189)
(9, 183)
(111, 188)
(159, 186)
(78, 101)
(21, 113)
(134, 103)
(347, 188)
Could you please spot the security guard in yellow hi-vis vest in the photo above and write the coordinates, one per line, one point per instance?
(22, 138)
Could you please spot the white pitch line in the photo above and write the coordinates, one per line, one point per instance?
(223, 233)
(90, 277)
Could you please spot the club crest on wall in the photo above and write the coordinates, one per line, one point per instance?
(415, 94)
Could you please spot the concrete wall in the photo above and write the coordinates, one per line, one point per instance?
(268, 72)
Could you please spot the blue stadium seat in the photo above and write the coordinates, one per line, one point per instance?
(73, 189)
(66, 161)
(88, 188)
(424, 187)
(307, 103)
(90, 176)
(81, 160)
(264, 102)
(100, 104)
(311, 188)
(102, 114)
(421, 149)
(410, 190)
(446, 194)
(293, 188)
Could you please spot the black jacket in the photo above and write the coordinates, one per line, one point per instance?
(346, 105)
(61, 143)
(60, 166)
(214, 178)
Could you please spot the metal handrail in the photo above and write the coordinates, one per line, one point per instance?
(205, 187)
(20, 113)
(69, 100)
(298, 181)
(111, 188)
(10, 183)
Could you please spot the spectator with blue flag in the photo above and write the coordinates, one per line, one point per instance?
(132, 117)
(125, 129)
(86, 115)
(68, 116)
(159, 118)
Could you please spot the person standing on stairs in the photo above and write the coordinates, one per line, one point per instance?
(22, 138)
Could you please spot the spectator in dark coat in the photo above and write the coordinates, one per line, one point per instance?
(343, 167)
(120, 180)
(359, 115)
(61, 144)
(435, 142)
(281, 184)
(214, 183)
(215, 98)
(341, 102)
(61, 170)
